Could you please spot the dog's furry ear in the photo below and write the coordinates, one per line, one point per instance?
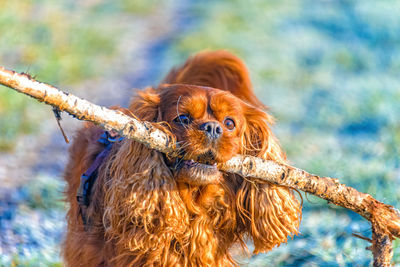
(142, 208)
(270, 212)
(145, 105)
(257, 138)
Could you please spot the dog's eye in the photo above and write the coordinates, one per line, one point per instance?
(229, 124)
(182, 119)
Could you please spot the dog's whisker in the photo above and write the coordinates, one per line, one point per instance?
(180, 160)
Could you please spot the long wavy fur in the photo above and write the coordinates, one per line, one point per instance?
(141, 216)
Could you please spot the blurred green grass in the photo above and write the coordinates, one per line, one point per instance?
(58, 42)
(328, 70)
(18, 115)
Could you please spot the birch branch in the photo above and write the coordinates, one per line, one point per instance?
(385, 219)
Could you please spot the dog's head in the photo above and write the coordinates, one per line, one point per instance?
(210, 125)
(191, 204)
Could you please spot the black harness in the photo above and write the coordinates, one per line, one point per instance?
(89, 177)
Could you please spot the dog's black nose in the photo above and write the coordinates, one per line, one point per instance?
(212, 129)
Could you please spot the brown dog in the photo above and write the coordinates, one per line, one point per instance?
(148, 210)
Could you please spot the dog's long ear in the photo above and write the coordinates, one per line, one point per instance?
(257, 138)
(269, 212)
(143, 211)
(145, 105)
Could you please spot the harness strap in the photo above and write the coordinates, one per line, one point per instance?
(89, 177)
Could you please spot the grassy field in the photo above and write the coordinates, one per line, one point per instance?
(329, 70)
(60, 42)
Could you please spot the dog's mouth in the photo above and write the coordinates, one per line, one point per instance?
(197, 173)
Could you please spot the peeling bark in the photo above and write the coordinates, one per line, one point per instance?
(144, 132)
(385, 219)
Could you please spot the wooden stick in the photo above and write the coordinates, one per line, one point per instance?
(385, 219)
(144, 132)
(382, 248)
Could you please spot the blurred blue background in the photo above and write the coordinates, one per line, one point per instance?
(329, 70)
